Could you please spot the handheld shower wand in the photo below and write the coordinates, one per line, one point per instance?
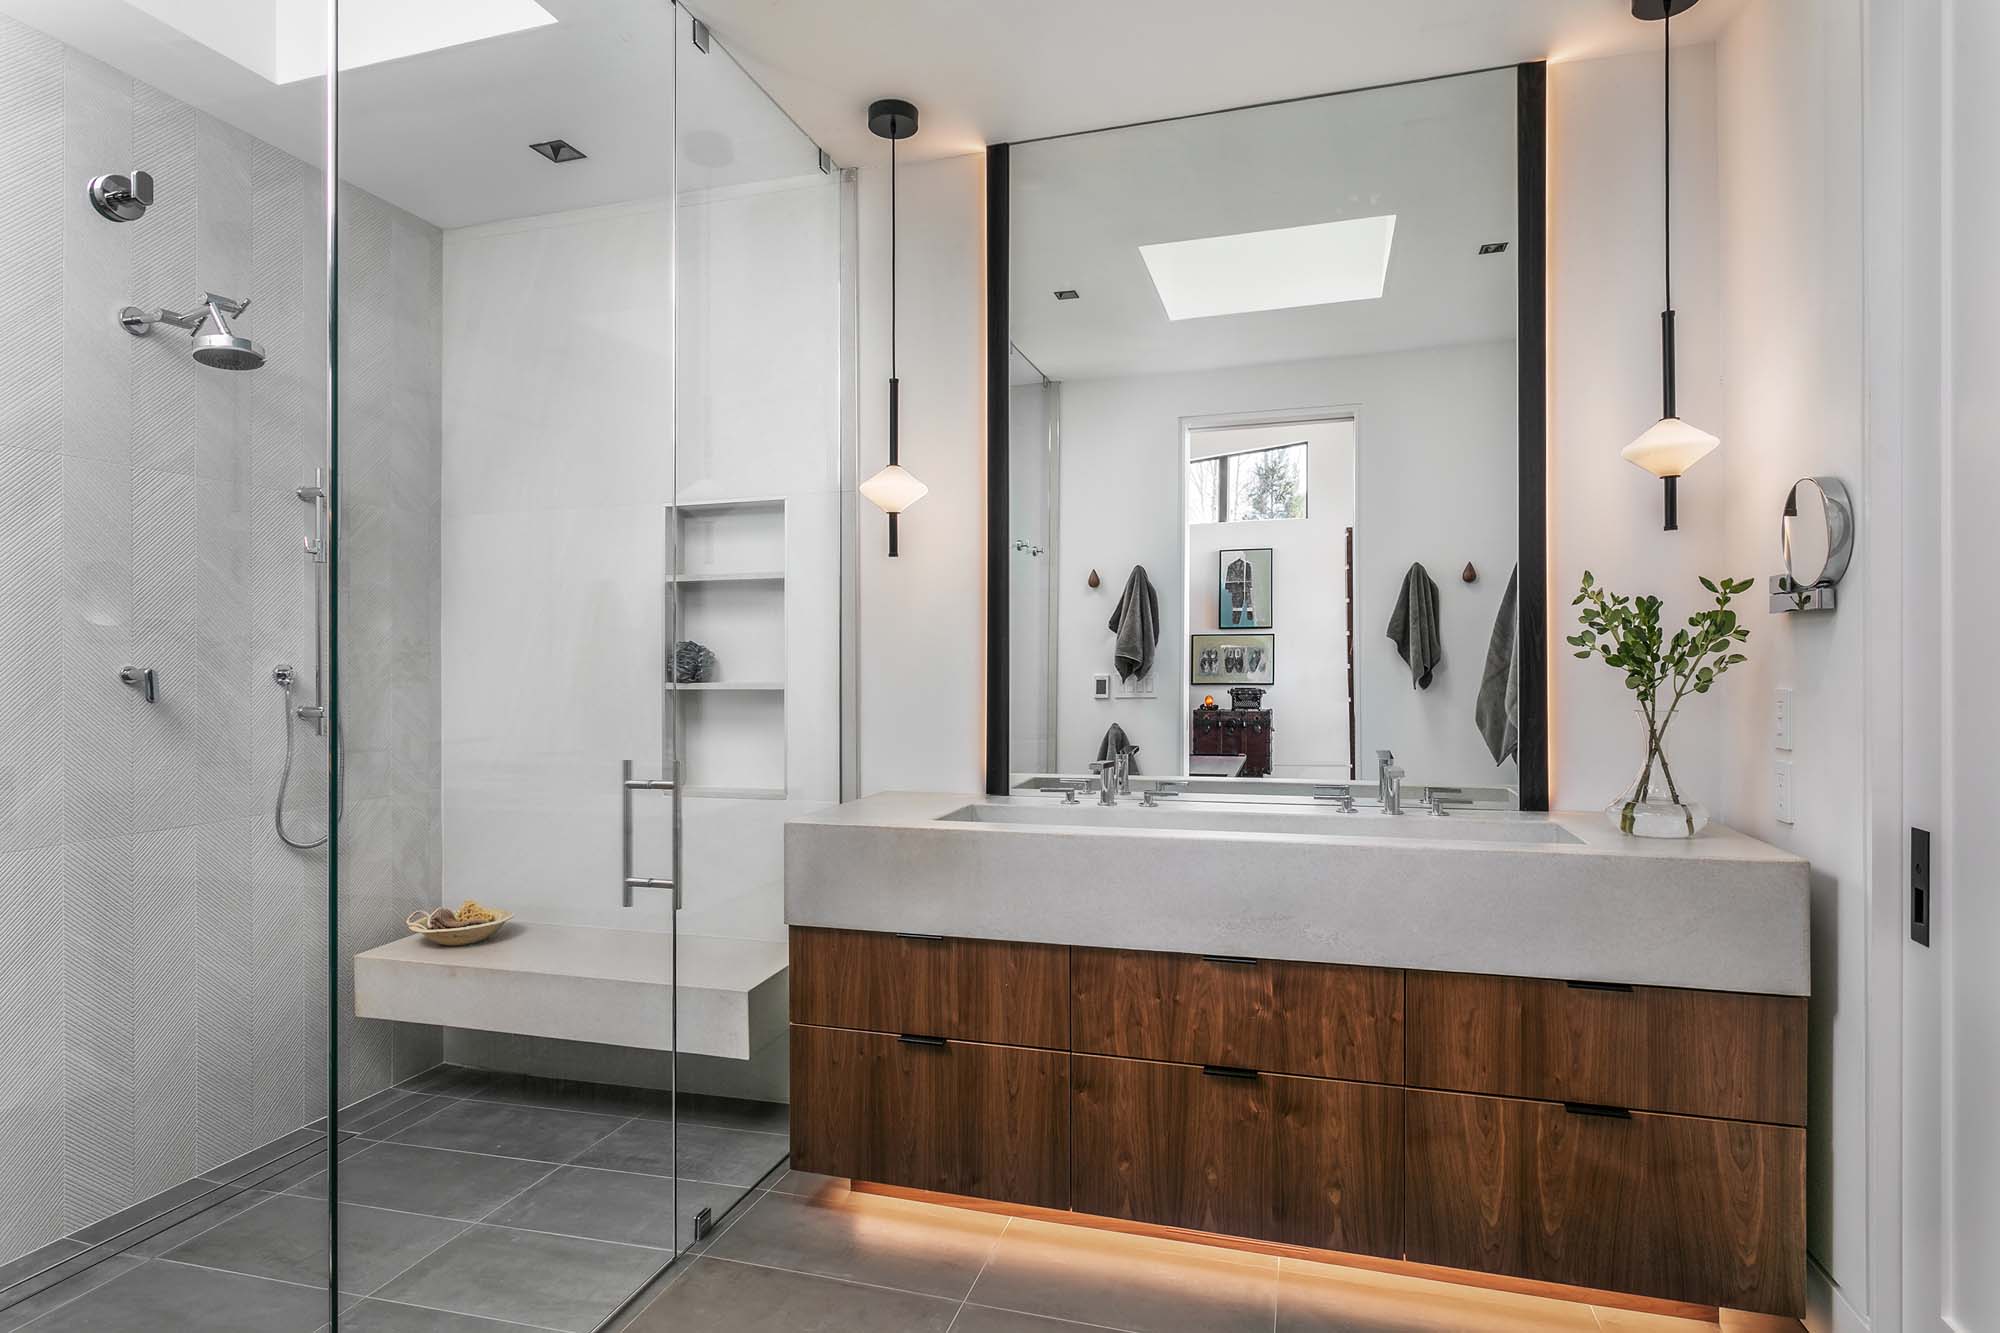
(316, 550)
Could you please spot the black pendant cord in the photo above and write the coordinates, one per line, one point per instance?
(895, 395)
(1668, 407)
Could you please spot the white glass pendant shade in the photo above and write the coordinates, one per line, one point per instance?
(892, 490)
(1670, 448)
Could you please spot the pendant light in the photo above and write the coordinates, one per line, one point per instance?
(1672, 446)
(893, 489)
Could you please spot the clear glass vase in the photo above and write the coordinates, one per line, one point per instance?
(1653, 806)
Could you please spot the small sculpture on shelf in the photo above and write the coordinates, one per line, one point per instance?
(693, 664)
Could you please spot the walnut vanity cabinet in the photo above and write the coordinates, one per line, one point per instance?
(1627, 1138)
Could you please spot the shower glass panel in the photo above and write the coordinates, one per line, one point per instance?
(757, 580)
(165, 1006)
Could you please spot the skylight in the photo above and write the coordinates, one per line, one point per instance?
(1319, 264)
(285, 40)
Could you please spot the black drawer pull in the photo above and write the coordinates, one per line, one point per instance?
(1228, 960)
(1592, 1108)
(908, 935)
(914, 1039)
(1228, 1071)
(1619, 987)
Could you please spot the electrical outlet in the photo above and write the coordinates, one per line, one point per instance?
(1781, 715)
(1782, 793)
(1920, 886)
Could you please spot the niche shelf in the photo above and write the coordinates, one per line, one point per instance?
(728, 591)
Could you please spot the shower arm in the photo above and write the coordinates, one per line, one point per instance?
(214, 307)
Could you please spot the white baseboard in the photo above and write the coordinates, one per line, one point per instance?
(1827, 1307)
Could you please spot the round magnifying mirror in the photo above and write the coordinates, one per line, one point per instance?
(1818, 532)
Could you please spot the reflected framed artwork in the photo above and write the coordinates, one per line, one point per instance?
(1244, 596)
(1232, 659)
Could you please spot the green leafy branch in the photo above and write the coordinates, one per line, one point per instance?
(1627, 634)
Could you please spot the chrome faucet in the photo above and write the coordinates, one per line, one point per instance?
(1106, 771)
(1388, 782)
(1158, 792)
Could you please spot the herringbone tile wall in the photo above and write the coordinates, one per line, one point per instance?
(162, 954)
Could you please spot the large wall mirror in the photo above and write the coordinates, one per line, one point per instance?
(1267, 445)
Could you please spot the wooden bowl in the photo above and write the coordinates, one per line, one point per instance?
(453, 936)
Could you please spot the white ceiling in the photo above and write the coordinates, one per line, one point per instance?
(997, 71)
(445, 134)
(1440, 155)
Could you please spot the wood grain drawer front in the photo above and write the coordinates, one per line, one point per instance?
(956, 1117)
(1291, 1018)
(967, 990)
(1706, 1211)
(1703, 1053)
(1300, 1161)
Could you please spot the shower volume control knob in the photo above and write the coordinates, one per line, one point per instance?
(122, 198)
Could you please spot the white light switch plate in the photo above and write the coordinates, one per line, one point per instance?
(1100, 686)
(1781, 720)
(1782, 791)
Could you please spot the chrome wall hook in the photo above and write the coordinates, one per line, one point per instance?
(122, 198)
(142, 679)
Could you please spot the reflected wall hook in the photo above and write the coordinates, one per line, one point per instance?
(1470, 575)
(1094, 580)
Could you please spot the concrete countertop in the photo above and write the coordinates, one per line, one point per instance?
(1721, 911)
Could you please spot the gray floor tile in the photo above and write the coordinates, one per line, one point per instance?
(568, 1095)
(446, 1081)
(728, 1113)
(305, 1168)
(613, 1205)
(35, 1261)
(373, 1316)
(162, 1297)
(208, 1218)
(807, 1183)
(1126, 1282)
(866, 1238)
(1321, 1298)
(289, 1147)
(385, 1121)
(285, 1238)
(128, 1224)
(980, 1319)
(723, 1156)
(31, 1300)
(428, 1180)
(717, 1294)
(550, 1281)
(509, 1131)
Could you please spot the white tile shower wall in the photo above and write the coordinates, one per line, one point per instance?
(162, 1008)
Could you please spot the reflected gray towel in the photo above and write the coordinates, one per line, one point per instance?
(1114, 741)
(1414, 627)
(1136, 622)
(1498, 712)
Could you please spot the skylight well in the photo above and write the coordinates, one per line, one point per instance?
(1323, 263)
(284, 41)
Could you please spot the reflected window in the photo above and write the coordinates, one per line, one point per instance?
(1248, 487)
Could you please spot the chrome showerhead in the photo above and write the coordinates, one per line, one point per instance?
(222, 348)
(225, 349)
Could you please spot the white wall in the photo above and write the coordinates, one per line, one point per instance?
(558, 476)
(923, 614)
(1968, 927)
(1031, 581)
(1308, 556)
(1435, 482)
(1788, 80)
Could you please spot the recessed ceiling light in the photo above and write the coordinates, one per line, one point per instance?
(559, 150)
(1066, 294)
(1493, 248)
(1319, 264)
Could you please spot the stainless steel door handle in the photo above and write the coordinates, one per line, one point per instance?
(627, 785)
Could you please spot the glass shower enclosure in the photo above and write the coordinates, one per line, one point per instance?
(466, 534)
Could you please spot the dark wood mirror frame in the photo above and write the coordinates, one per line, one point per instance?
(1531, 161)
